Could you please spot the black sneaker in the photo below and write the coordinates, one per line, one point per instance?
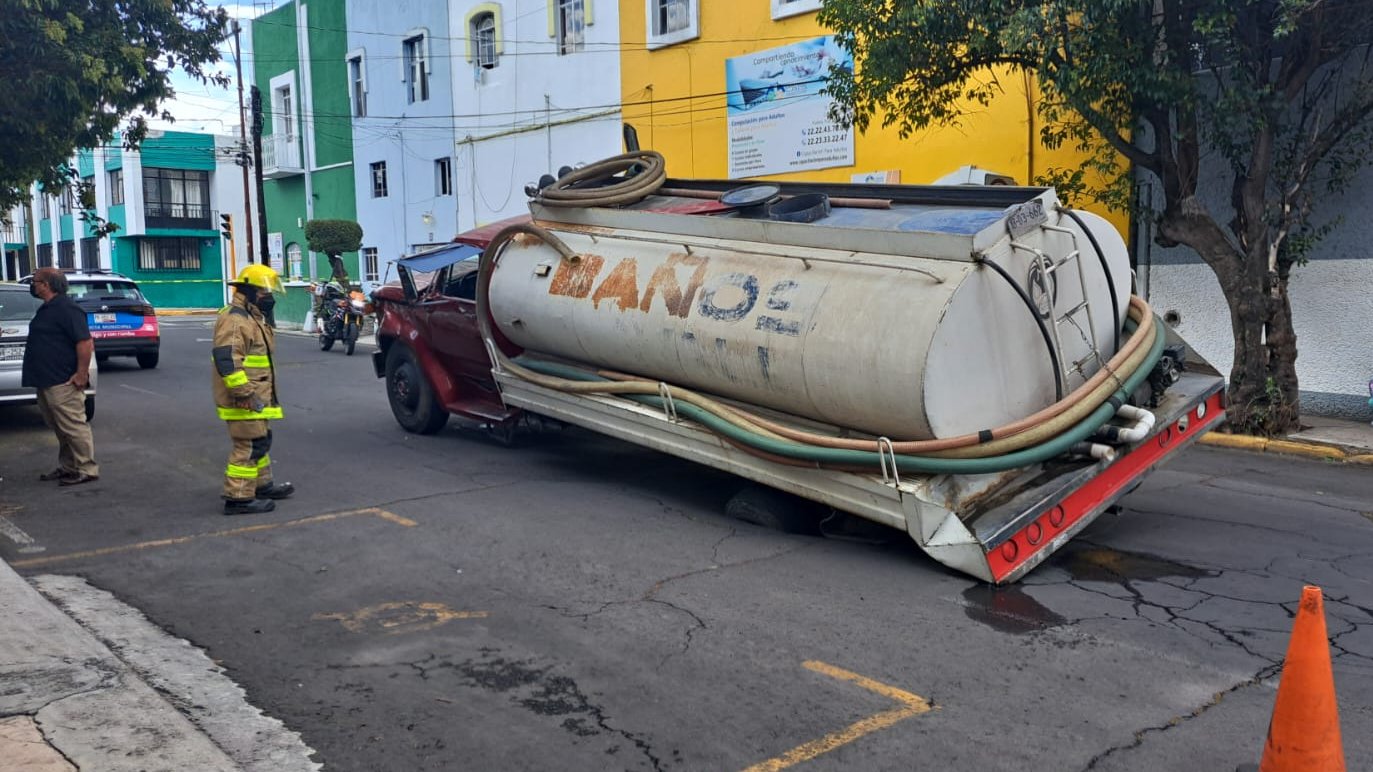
(275, 490)
(248, 506)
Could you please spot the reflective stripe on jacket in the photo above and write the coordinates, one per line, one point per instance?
(244, 376)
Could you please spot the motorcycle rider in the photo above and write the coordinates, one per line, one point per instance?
(245, 390)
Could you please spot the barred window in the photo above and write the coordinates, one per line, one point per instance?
(66, 254)
(90, 254)
(115, 177)
(370, 272)
(44, 255)
(169, 254)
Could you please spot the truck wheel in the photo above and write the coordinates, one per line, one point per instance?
(774, 509)
(147, 360)
(350, 335)
(411, 397)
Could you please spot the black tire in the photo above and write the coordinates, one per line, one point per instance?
(90, 407)
(102, 357)
(774, 509)
(350, 335)
(412, 398)
(147, 359)
(326, 341)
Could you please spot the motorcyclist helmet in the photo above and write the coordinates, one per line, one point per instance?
(260, 276)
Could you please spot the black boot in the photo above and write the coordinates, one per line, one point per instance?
(248, 506)
(275, 490)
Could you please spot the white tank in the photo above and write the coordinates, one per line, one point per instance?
(874, 320)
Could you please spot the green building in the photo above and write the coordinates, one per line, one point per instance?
(165, 199)
(307, 137)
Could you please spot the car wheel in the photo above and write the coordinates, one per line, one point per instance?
(148, 360)
(411, 397)
(326, 341)
(90, 407)
(351, 336)
(102, 357)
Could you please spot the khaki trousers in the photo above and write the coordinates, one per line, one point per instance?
(64, 411)
(250, 466)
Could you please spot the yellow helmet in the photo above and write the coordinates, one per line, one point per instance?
(260, 276)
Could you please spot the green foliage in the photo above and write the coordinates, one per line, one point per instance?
(75, 70)
(333, 237)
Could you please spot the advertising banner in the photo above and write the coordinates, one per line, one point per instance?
(777, 118)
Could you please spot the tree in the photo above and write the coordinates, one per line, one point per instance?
(76, 70)
(1279, 91)
(333, 238)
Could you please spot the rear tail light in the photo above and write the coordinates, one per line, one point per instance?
(145, 311)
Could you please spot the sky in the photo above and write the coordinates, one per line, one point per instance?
(205, 107)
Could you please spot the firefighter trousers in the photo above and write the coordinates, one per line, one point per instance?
(250, 465)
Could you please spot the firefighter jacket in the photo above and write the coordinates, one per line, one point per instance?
(244, 378)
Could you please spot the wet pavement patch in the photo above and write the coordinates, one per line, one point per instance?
(1102, 564)
(1008, 609)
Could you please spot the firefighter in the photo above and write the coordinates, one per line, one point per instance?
(245, 391)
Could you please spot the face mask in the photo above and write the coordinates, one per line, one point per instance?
(266, 302)
(33, 290)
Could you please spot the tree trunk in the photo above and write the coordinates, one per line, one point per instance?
(1263, 392)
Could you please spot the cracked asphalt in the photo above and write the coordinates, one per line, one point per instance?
(597, 610)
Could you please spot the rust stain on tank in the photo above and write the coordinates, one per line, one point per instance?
(574, 280)
(664, 282)
(622, 286)
(568, 227)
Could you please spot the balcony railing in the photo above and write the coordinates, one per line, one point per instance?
(16, 233)
(281, 155)
(161, 215)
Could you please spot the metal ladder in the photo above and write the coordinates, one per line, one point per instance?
(1048, 268)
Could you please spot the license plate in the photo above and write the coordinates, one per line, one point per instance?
(12, 351)
(105, 318)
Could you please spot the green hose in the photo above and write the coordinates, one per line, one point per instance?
(910, 464)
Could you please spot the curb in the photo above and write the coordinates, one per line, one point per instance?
(186, 311)
(1285, 447)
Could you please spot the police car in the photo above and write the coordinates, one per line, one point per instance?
(122, 321)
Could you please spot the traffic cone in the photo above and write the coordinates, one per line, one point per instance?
(1304, 733)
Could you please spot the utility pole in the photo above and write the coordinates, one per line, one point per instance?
(243, 160)
(255, 106)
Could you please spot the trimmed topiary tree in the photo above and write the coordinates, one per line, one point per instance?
(333, 238)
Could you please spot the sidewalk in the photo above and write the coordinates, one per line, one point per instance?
(88, 683)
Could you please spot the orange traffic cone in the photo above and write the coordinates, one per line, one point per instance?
(1304, 733)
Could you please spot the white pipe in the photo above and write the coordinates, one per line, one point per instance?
(1143, 424)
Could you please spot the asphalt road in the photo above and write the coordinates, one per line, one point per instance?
(577, 603)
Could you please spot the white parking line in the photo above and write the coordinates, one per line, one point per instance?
(16, 534)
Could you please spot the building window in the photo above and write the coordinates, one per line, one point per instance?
(64, 201)
(379, 179)
(783, 8)
(672, 21)
(115, 179)
(415, 51)
(483, 32)
(293, 260)
(443, 177)
(90, 254)
(284, 108)
(87, 184)
(176, 198)
(169, 254)
(370, 271)
(44, 207)
(66, 254)
(357, 85)
(44, 255)
(569, 25)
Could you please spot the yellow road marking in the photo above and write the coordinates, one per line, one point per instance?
(401, 616)
(911, 705)
(146, 545)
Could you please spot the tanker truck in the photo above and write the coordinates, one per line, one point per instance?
(964, 364)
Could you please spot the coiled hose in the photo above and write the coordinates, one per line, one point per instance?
(744, 430)
(650, 171)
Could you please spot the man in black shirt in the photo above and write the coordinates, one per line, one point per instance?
(57, 361)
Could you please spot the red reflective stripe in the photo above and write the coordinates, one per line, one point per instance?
(1006, 557)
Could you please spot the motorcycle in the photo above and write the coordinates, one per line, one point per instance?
(340, 316)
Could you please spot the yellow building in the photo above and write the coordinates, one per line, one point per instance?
(678, 96)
